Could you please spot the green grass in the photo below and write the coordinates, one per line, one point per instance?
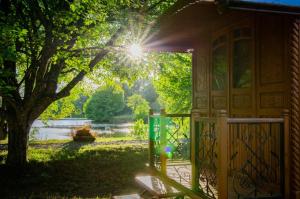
(102, 138)
(75, 170)
(98, 140)
(4, 141)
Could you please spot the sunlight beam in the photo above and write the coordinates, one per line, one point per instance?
(135, 51)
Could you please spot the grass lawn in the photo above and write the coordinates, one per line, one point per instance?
(103, 138)
(75, 170)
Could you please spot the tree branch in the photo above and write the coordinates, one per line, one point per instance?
(68, 71)
(66, 90)
(47, 24)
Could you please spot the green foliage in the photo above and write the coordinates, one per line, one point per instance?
(174, 82)
(123, 118)
(139, 106)
(47, 47)
(60, 42)
(68, 106)
(105, 103)
(145, 88)
(140, 129)
(79, 104)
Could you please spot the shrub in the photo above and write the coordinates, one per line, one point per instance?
(140, 129)
(84, 134)
(105, 103)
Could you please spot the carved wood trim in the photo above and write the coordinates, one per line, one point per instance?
(295, 107)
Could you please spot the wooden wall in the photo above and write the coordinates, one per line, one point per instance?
(269, 92)
(275, 77)
(201, 65)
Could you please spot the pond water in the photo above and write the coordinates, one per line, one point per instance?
(61, 129)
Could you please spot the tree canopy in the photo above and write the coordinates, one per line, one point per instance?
(174, 82)
(105, 103)
(48, 46)
(139, 106)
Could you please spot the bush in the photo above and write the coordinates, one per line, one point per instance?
(140, 129)
(83, 134)
(139, 106)
(105, 103)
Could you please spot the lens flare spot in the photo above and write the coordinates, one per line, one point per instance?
(135, 51)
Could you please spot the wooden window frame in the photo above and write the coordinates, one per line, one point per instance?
(230, 92)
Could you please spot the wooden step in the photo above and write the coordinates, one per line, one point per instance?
(132, 196)
(156, 187)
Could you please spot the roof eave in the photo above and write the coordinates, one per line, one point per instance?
(261, 7)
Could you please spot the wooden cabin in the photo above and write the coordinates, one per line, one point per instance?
(245, 117)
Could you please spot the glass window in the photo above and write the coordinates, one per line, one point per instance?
(242, 62)
(219, 68)
(219, 41)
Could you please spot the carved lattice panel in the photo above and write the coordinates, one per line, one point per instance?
(208, 159)
(255, 155)
(178, 138)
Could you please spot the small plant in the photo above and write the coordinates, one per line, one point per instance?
(83, 134)
(140, 129)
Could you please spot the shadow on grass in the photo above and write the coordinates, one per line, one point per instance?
(76, 170)
(68, 150)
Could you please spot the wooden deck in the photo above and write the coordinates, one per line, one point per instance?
(157, 187)
(181, 172)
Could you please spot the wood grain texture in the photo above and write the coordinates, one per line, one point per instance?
(295, 107)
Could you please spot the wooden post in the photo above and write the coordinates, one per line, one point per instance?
(163, 142)
(222, 142)
(195, 130)
(151, 138)
(286, 154)
(295, 110)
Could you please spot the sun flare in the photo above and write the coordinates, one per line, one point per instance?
(135, 51)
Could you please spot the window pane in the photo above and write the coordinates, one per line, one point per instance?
(242, 63)
(220, 40)
(219, 68)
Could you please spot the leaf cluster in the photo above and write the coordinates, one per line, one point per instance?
(174, 82)
(105, 103)
(139, 106)
(48, 46)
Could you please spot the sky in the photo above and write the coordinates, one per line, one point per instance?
(282, 2)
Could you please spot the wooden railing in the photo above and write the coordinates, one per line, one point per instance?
(232, 157)
(204, 156)
(169, 139)
(241, 157)
(254, 157)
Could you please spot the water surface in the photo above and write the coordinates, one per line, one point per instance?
(61, 129)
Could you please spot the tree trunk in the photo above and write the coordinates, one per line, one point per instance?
(18, 133)
(3, 129)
